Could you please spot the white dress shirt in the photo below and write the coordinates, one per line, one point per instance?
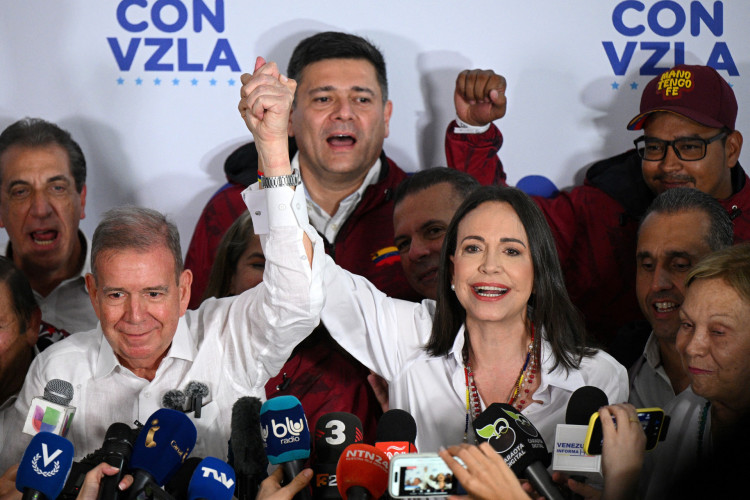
(329, 225)
(649, 384)
(68, 306)
(233, 345)
(387, 335)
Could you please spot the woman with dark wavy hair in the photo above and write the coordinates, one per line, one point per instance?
(502, 330)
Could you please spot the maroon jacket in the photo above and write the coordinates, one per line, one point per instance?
(319, 372)
(594, 225)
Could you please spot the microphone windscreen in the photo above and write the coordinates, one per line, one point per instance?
(163, 444)
(512, 435)
(283, 427)
(196, 389)
(335, 431)
(396, 425)
(364, 466)
(58, 391)
(584, 402)
(177, 486)
(245, 438)
(174, 400)
(213, 479)
(45, 464)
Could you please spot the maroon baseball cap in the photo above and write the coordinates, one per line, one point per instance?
(695, 92)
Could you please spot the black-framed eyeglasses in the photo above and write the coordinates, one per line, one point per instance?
(686, 148)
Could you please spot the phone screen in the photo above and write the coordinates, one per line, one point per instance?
(651, 420)
(417, 475)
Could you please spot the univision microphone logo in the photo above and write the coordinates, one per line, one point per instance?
(281, 430)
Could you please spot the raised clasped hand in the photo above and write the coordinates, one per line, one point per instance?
(266, 100)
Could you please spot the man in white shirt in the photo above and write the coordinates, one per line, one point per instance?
(146, 343)
(680, 227)
(42, 201)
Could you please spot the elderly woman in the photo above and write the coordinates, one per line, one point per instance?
(709, 433)
(502, 330)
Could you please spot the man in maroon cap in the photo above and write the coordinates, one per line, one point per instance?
(687, 115)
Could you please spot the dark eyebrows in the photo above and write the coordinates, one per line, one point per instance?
(671, 254)
(55, 178)
(331, 88)
(502, 240)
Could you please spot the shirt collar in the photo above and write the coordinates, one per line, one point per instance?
(651, 352)
(329, 225)
(183, 347)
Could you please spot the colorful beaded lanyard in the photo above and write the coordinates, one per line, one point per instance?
(523, 382)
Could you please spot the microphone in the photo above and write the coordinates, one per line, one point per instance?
(177, 486)
(162, 445)
(174, 399)
(568, 455)
(334, 431)
(246, 447)
(362, 472)
(51, 412)
(516, 439)
(195, 392)
(396, 433)
(116, 451)
(44, 467)
(286, 437)
(213, 479)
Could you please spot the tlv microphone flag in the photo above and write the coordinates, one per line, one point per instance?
(516, 439)
(283, 426)
(334, 431)
(213, 479)
(165, 441)
(52, 412)
(45, 466)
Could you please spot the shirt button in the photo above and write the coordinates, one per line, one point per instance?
(147, 394)
(282, 206)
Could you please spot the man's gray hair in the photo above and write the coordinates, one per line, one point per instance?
(135, 228)
(721, 231)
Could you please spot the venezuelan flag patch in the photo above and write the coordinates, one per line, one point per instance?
(384, 256)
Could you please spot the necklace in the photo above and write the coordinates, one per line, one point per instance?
(702, 417)
(517, 398)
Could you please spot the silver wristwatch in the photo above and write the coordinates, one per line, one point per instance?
(281, 180)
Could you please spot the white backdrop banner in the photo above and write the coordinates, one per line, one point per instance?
(149, 88)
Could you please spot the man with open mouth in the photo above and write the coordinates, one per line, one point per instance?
(42, 201)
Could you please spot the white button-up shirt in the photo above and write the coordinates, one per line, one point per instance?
(649, 383)
(233, 345)
(387, 335)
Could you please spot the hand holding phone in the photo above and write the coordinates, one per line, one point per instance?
(652, 420)
(420, 475)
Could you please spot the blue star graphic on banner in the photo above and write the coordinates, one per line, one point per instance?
(212, 81)
(176, 81)
(194, 82)
(138, 81)
(231, 82)
(120, 81)
(615, 85)
(634, 86)
(157, 81)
